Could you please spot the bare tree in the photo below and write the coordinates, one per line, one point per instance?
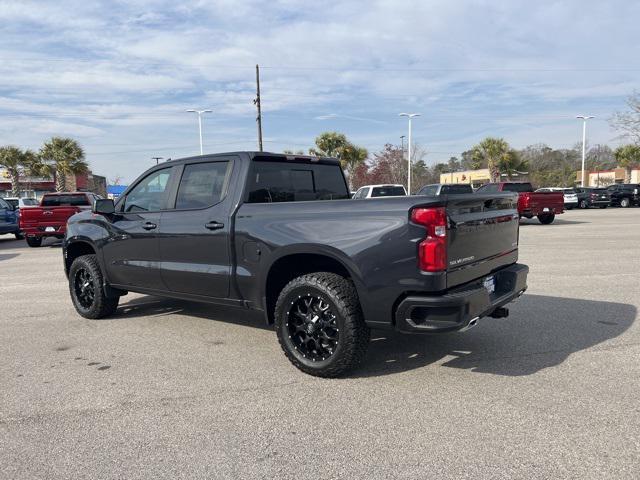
(628, 122)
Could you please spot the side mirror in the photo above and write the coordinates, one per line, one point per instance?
(103, 206)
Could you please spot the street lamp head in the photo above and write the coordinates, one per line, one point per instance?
(585, 117)
(199, 112)
(410, 115)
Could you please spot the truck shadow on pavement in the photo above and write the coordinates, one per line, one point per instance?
(8, 256)
(150, 306)
(556, 222)
(541, 332)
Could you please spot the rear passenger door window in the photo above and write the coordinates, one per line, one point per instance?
(202, 185)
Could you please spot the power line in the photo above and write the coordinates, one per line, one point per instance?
(380, 68)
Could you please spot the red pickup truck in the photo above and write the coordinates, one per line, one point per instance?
(544, 205)
(49, 219)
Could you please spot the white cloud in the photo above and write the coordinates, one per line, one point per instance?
(114, 73)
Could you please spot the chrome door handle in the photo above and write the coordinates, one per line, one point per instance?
(149, 226)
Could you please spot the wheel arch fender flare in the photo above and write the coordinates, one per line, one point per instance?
(317, 250)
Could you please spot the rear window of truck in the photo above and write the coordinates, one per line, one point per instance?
(449, 189)
(388, 192)
(271, 182)
(65, 200)
(517, 187)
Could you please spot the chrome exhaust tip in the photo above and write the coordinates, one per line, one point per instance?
(472, 323)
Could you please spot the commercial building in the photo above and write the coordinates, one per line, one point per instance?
(35, 187)
(477, 178)
(603, 178)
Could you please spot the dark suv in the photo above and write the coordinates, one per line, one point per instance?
(593, 197)
(624, 194)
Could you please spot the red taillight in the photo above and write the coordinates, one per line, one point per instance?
(432, 251)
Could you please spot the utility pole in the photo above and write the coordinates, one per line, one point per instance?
(584, 119)
(157, 159)
(257, 104)
(410, 116)
(200, 112)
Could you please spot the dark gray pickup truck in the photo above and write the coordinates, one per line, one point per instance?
(279, 234)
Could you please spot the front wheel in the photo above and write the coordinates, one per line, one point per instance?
(34, 241)
(320, 325)
(85, 287)
(625, 203)
(546, 218)
(583, 204)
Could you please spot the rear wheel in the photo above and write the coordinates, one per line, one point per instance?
(320, 325)
(603, 206)
(85, 286)
(34, 241)
(625, 202)
(583, 204)
(19, 236)
(546, 218)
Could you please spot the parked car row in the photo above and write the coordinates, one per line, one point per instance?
(26, 217)
(543, 203)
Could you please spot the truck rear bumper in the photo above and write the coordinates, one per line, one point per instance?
(459, 307)
(45, 230)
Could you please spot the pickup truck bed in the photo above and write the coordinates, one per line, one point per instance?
(280, 235)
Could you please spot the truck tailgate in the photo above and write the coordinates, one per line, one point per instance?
(537, 202)
(46, 216)
(482, 236)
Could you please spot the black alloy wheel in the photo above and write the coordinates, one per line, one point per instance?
(320, 325)
(84, 287)
(86, 283)
(312, 327)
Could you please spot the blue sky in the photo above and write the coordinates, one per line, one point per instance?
(118, 75)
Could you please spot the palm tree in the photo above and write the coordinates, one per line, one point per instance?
(511, 164)
(627, 156)
(61, 157)
(491, 151)
(15, 160)
(334, 144)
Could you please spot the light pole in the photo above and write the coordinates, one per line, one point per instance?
(584, 141)
(200, 112)
(409, 116)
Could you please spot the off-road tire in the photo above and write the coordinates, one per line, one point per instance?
(34, 242)
(101, 306)
(546, 218)
(342, 297)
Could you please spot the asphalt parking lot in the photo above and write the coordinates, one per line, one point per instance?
(171, 389)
